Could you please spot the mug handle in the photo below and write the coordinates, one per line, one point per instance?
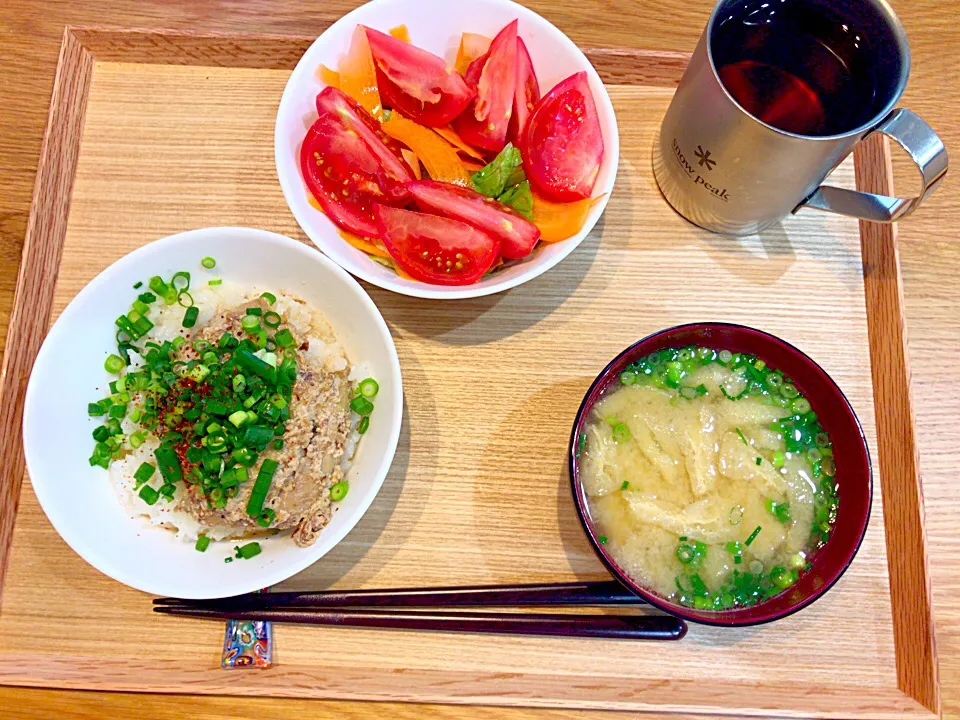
(925, 149)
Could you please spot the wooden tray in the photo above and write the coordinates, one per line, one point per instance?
(153, 133)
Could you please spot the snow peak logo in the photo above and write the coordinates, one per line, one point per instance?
(692, 169)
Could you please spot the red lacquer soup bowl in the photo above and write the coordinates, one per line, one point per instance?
(853, 472)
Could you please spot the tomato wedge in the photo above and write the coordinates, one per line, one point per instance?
(435, 249)
(526, 96)
(340, 173)
(417, 83)
(393, 173)
(486, 121)
(516, 234)
(563, 144)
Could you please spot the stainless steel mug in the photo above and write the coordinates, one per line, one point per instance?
(727, 171)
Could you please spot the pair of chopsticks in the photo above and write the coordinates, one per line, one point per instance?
(441, 609)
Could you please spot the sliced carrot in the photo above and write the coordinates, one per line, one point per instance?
(400, 32)
(328, 76)
(403, 273)
(391, 265)
(560, 221)
(471, 47)
(367, 245)
(437, 155)
(450, 135)
(357, 76)
(413, 161)
(472, 167)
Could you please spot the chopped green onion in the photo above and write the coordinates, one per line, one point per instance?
(269, 297)
(203, 542)
(256, 435)
(725, 356)
(213, 282)
(188, 296)
(144, 473)
(228, 559)
(602, 539)
(621, 433)
(209, 263)
(198, 373)
(753, 536)
(250, 323)
(363, 425)
(237, 418)
(742, 437)
(261, 487)
(628, 378)
(254, 311)
(169, 463)
(736, 515)
(271, 319)
(283, 338)
(778, 459)
(248, 361)
(789, 391)
(759, 461)
(149, 495)
(168, 490)
(182, 275)
(95, 409)
(159, 286)
(369, 388)
(113, 364)
(339, 491)
(137, 285)
(781, 511)
(266, 518)
(361, 406)
(625, 485)
(245, 552)
(190, 316)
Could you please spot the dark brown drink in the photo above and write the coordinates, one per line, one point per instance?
(804, 66)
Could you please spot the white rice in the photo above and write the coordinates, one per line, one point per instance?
(324, 348)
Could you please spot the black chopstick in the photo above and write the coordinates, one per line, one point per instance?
(627, 627)
(554, 594)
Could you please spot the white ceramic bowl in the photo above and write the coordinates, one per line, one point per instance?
(80, 500)
(435, 25)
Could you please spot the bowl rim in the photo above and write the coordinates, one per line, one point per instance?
(655, 600)
(455, 292)
(271, 574)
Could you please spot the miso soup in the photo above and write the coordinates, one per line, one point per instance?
(708, 476)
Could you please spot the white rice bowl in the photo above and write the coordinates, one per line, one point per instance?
(82, 501)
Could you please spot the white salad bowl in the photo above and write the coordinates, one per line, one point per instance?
(434, 25)
(80, 500)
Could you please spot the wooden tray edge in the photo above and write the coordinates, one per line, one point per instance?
(903, 511)
(82, 46)
(39, 266)
(712, 697)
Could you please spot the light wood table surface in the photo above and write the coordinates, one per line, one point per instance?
(30, 34)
